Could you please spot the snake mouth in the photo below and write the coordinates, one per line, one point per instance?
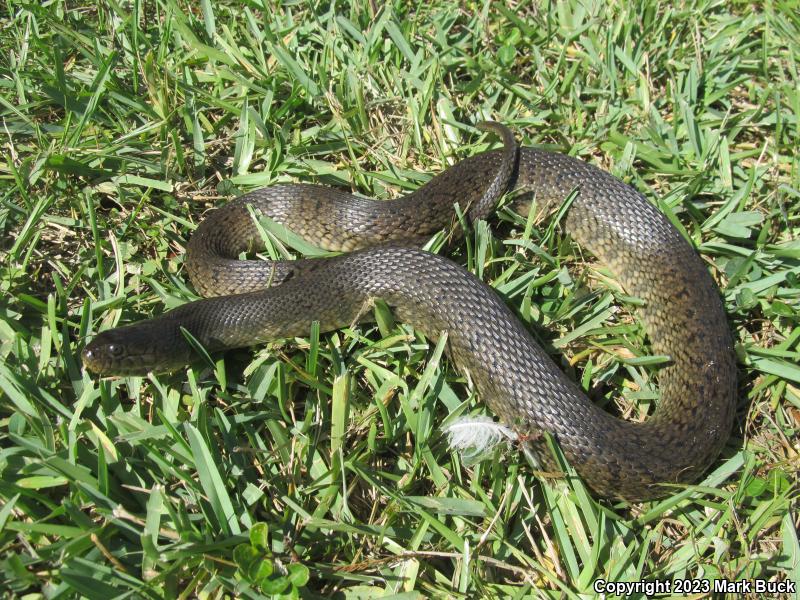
(129, 351)
(103, 356)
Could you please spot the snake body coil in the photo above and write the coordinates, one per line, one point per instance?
(682, 312)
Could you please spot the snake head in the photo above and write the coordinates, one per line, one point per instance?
(135, 350)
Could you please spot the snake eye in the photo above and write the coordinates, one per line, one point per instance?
(115, 350)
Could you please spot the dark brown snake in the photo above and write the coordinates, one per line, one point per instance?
(682, 311)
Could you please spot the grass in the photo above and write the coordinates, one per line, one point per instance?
(122, 122)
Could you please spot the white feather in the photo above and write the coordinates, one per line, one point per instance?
(474, 436)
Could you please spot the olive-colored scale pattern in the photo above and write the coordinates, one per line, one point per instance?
(683, 314)
(339, 222)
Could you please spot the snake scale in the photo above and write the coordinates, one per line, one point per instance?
(682, 312)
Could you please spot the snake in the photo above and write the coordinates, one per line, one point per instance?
(248, 302)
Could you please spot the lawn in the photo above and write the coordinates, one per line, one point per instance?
(123, 122)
